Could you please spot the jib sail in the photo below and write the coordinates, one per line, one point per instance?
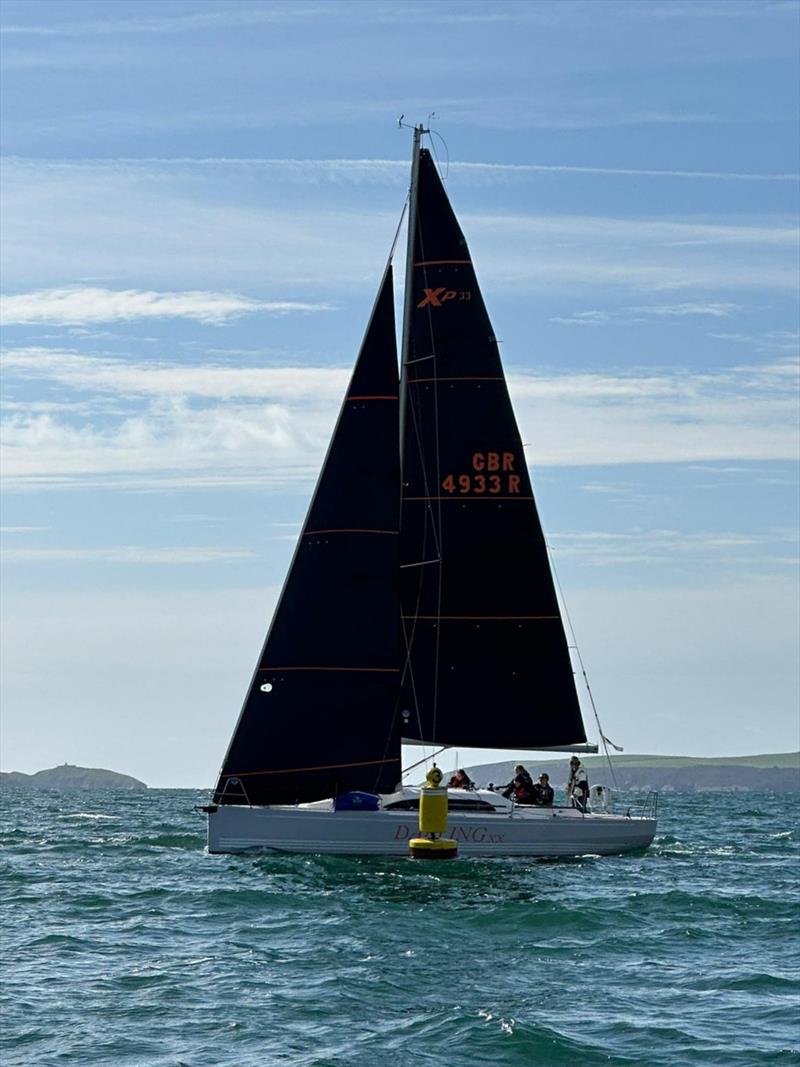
(317, 719)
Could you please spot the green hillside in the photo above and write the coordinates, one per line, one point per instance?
(790, 760)
(775, 772)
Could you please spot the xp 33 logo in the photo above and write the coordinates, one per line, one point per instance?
(435, 298)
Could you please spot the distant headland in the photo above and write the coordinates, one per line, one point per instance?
(777, 772)
(68, 776)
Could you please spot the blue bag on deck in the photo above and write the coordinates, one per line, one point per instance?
(355, 801)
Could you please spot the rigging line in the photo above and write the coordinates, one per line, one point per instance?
(415, 229)
(389, 738)
(399, 226)
(415, 423)
(410, 670)
(438, 466)
(603, 738)
(433, 133)
(425, 759)
(318, 767)
(424, 467)
(409, 640)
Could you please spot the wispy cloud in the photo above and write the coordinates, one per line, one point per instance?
(380, 171)
(722, 547)
(129, 378)
(713, 9)
(178, 231)
(263, 15)
(211, 20)
(83, 305)
(645, 313)
(769, 342)
(232, 16)
(127, 554)
(211, 425)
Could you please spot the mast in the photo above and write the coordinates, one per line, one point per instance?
(408, 291)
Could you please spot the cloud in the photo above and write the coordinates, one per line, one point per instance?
(638, 314)
(771, 341)
(206, 425)
(376, 171)
(74, 306)
(126, 554)
(232, 17)
(713, 9)
(276, 14)
(711, 548)
(128, 378)
(198, 232)
(184, 22)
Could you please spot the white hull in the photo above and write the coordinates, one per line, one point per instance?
(523, 832)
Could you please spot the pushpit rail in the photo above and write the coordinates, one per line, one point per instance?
(649, 808)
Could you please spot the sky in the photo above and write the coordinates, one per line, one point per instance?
(198, 199)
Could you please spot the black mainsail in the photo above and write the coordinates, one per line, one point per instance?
(487, 662)
(317, 719)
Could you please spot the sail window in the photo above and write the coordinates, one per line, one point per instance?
(453, 803)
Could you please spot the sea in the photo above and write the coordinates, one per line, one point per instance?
(124, 942)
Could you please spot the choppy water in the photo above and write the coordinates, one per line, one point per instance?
(124, 943)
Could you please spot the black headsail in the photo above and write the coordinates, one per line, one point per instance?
(317, 718)
(488, 663)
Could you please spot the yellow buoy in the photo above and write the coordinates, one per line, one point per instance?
(432, 822)
(432, 848)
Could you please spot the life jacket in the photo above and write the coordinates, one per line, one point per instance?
(459, 782)
(523, 787)
(580, 783)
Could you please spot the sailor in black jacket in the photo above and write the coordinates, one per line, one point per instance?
(521, 786)
(543, 794)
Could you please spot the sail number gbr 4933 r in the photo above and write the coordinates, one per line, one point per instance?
(492, 473)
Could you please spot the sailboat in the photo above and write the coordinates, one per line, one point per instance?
(419, 607)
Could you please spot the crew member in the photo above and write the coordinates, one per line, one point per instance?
(577, 785)
(461, 780)
(520, 786)
(543, 794)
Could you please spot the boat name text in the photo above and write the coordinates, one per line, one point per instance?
(476, 834)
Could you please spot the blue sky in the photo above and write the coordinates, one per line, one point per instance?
(198, 200)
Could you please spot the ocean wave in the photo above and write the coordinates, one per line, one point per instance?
(125, 942)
